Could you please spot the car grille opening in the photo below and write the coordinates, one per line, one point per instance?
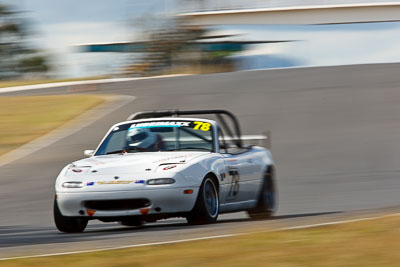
(117, 204)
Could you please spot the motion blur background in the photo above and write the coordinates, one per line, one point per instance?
(335, 130)
(70, 39)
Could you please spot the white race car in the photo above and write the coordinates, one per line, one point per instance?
(157, 165)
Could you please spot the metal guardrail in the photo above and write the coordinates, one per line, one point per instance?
(189, 6)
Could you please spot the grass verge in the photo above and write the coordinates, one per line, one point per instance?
(366, 243)
(25, 118)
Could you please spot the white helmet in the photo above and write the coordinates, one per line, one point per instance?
(141, 138)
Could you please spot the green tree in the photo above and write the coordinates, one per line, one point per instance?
(167, 40)
(17, 57)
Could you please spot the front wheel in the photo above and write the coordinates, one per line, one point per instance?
(206, 209)
(266, 204)
(68, 224)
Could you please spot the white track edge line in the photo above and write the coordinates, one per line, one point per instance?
(71, 83)
(334, 222)
(123, 247)
(115, 80)
(202, 238)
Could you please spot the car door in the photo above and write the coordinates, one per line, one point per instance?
(231, 186)
(241, 178)
(252, 170)
(238, 182)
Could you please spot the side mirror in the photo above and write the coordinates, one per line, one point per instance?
(88, 153)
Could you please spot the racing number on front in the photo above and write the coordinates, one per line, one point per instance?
(204, 126)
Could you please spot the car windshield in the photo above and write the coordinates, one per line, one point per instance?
(163, 135)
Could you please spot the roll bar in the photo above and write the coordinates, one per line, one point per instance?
(177, 113)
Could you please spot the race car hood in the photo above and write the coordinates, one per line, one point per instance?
(131, 162)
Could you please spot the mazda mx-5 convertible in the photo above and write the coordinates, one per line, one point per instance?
(158, 165)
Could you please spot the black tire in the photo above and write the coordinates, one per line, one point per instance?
(206, 209)
(267, 200)
(132, 221)
(68, 224)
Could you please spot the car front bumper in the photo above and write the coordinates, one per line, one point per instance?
(160, 201)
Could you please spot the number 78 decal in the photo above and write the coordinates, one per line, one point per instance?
(203, 126)
(234, 185)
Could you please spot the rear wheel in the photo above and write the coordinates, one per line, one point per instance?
(206, 209)
(266, 204)
(68, 224)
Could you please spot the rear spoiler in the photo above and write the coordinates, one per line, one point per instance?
(246, 137)
(263, 140)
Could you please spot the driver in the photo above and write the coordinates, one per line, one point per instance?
(145, 140)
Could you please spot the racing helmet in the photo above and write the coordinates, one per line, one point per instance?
(141, 138)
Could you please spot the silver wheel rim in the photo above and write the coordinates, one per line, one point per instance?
(211, 198)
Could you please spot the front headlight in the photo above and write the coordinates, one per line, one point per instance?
(160, 181)
(73, 184)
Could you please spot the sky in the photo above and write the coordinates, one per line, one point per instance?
(60, 25)
(326, 45)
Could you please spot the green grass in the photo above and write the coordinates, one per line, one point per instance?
(367, 243)
(23, 119)
(32, 82)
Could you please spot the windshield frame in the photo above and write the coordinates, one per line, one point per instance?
(214, 147)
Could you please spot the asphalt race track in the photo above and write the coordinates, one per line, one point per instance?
(335, 140)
